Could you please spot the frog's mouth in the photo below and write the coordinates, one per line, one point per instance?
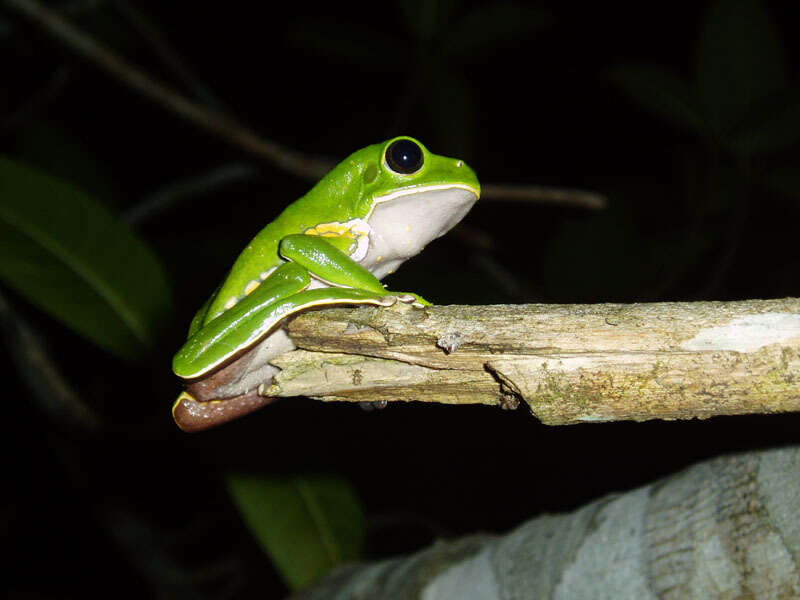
(410, 191)
(404, 221)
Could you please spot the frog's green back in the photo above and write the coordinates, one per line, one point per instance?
(334, 198)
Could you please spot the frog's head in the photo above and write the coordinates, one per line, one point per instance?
(409, 197)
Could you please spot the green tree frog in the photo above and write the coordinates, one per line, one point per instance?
(377, 208)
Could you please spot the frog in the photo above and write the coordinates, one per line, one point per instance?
(377, 208)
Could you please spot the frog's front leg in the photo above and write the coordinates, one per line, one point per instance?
(329, 264)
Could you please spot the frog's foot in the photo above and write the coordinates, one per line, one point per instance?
(410, 298)
(192, 415)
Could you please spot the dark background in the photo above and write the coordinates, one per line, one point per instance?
(138, 508)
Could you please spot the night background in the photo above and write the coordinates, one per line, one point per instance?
(684, 116)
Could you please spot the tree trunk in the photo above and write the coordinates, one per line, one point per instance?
(726, 528)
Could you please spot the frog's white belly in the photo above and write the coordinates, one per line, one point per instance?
(401, 226)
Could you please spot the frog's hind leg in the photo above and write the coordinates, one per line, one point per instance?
(191, 415)
(219, 340)
(230, 392)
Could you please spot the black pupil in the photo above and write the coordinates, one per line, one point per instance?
(404, 156)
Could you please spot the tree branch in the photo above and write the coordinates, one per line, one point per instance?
(544, 195)
(133, 77)
(569, 363)
(233, 132)
(147, 30)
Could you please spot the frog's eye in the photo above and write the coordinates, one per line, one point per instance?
(404, 157)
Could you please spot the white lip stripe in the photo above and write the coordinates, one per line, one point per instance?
(419, 190)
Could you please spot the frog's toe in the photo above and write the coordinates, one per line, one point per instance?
(406, 298)
(413, 299)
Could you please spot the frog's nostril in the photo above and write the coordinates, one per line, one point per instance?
(459, 163)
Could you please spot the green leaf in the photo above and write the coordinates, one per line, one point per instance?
(68, 255)
(306, 525)
(661, 92)
(740, 61)
(493, 24)
(774, 126)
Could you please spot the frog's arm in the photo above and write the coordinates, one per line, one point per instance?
(326, 262)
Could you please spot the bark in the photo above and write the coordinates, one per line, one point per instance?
(726, 528)
(569, 363)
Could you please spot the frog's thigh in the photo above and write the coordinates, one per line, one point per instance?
(325, 261)
(284, 280)
(239, 327)
(255, 368)
(224, 344)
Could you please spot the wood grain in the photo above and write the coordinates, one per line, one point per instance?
(569, 363)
